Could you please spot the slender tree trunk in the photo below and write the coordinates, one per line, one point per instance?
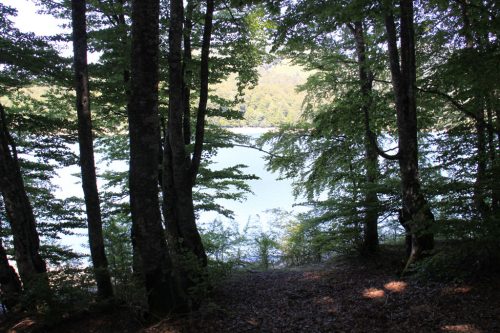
(497, 113)
(370, 237)
(492, 155)
(480, 125)
(144, 128)
(481, 169)
(10, 285)
(187, 71)
(416, 215)
(202, 106)
(87, 163)
(30, 264)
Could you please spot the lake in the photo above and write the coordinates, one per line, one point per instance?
(268, 191)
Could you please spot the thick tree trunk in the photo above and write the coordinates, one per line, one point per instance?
(371, 202)
(30, 264)
(416, 215)
(10, 285)
(148, 234)
(178, 184)
(87, 163)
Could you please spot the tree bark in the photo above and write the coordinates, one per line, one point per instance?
(371, 202)
(492, 155)
(481, 168)
(87, 163)
(10, 285)
(416, 215)
(178, 183)
(31, 266)
(144, 128)
(187, 71)
(480, 183)
(202, 106)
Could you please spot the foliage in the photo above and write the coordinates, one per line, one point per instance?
(72, 288)
(324, 153)
(274, 101)
(462, 261)
(320, 143)
(266, 246)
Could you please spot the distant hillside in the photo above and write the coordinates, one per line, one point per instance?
(273, 101)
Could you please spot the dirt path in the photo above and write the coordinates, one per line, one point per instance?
(344, 297)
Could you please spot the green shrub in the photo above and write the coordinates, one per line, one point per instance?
(462, 261)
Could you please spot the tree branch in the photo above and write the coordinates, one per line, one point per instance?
(374, 143)
(202, 106)
(461, 108)
(250, 147)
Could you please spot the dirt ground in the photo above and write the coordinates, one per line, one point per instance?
(341, 297)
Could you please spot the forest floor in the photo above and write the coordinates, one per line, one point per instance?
(342, 296)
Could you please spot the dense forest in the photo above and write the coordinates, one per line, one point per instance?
(384, 115)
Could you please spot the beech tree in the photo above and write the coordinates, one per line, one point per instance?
(144, 128)
(339, 104)
(23, 59)
(416, 215)
(10, 285)
(372, 205)
(31, 266)
(85, 139)
(179, 169)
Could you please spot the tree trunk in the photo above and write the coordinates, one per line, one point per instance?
(202, 106)
(187, 72)
(87, 163)
(416, 215)
(480, 125)
(371, 202)
(10, 286)
(492, 155)
(178, 183)
(148, 234)
(30, 264)
(481, 169)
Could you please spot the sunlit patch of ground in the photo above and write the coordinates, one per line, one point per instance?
(396, 286)
(465, 328)
(392, 286)
(23, 325)
(373, 293)
(457, 290)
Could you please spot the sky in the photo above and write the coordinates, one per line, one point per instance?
(28, 20)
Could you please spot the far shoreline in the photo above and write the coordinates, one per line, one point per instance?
(250, 130)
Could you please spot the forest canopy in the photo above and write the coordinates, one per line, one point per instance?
(384, 115)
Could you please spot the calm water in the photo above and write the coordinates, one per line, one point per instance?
(268, 192)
